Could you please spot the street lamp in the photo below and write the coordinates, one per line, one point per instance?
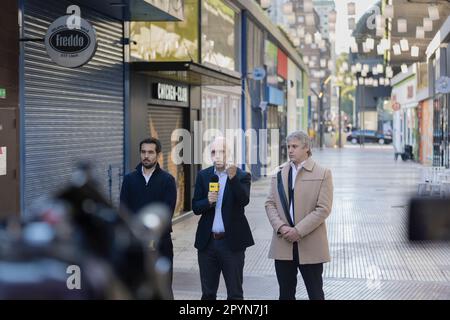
(339, 89)
(320, 97)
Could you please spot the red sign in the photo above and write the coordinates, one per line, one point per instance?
(282, 64)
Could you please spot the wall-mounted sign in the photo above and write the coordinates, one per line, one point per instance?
(259, 73)
(68, 46)
(2, 161)
(162, 91)
(443, 85)
(2, 93)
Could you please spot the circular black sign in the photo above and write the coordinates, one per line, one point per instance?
(70, 41)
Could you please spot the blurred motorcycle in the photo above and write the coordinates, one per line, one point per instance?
(75, 245)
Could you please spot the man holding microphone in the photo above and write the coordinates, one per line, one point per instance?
(223, 233)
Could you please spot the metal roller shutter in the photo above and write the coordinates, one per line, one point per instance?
(162, 122)
(72, 114)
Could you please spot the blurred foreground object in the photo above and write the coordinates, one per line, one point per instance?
(77, 246)
(429, 219)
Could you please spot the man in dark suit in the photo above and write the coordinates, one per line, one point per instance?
(150, 184)
(223, 231)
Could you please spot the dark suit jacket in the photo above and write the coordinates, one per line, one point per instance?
(236, 196)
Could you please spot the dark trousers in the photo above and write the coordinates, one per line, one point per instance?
(218, 258)
(166, 250)
(286, 271)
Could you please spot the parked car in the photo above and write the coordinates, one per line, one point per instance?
(368, 136)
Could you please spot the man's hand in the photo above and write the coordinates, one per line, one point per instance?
(212, 197)
(291, 235)
(231, 171)
(283, 230)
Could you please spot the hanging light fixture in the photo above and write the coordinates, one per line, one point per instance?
(351, 9)
(380, 50)
(380, 68)
(414, 51)
(427, 24)
(388, 12)
(433, 12)
(365, 48)
(404, 45)
(351, 23)
(375, 83)
(374, 70)
(361, 81)
(381, 81)
(308, 38)
(402, 25)
(420, 33)
(397, 50)
(404, 68)
(370, 43)
(358, 67)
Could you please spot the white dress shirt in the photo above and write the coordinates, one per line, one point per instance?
(218, 221)
(295, 171)
(148, 176)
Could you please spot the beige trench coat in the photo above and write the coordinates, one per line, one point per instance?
(313, 194)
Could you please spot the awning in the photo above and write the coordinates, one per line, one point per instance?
(137, 10)
(187, 72)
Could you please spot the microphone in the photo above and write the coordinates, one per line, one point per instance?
(214, 183)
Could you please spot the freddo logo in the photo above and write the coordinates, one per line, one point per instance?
(70, 40)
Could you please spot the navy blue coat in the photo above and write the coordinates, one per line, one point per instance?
(137, 194)
(236, 196)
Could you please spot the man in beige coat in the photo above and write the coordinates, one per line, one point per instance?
(300, 199)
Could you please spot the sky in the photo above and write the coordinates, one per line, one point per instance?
(343, 38)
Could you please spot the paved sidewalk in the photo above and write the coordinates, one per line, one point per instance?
(371, 257)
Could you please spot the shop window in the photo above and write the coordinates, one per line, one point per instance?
(167, 41)
(220, 30)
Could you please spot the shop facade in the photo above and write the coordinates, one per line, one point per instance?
(191, 56)
(74, 92)
(438, 54)
(405, 118)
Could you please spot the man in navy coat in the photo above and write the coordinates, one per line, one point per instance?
(223, 231)
(150, 184)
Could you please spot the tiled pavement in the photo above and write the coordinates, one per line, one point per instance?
(371, 257)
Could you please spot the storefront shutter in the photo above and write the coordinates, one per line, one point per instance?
(71, 114)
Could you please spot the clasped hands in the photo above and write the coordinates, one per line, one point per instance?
(289, 234)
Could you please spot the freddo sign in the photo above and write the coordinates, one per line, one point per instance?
(70, 46)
